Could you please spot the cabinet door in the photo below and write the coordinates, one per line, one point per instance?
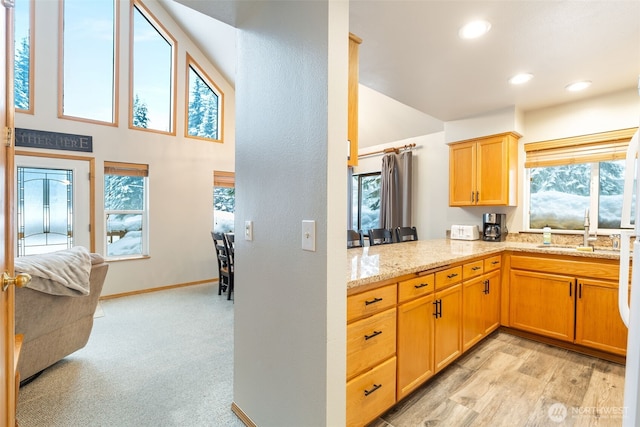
(491, 302)
(473, 299)
(493, 179)
(352, 102)
(448, 326)
(462, 174)
(598, 322)
(415, 344)
(542, 303)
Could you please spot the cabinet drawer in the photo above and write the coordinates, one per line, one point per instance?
(448, 277)
(492, 263)
(472, 269)
(371, 302)
(415, 287)
(370, 340)
(371, 393)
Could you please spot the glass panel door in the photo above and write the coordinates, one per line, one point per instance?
(44, 210)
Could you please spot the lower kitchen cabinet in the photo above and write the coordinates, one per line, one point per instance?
(598, 324)
(415, 344)
(447, 326)
(580, 306)
(542, 303)
(370, 394)
(480, 308)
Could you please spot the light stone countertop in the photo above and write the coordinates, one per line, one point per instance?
(377, 263)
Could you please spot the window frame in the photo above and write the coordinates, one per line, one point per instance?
(164, 33)
(129, 169)
(191, 63)
(32, 44)
(358, 226)
(116, 67)
(586, 149)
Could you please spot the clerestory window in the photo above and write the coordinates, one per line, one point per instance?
(87, 69)
(23, 31)
(152, 73)
(205, 104)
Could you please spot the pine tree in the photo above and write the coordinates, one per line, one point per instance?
(140, 118)
(21, 78)
(196, 107)
(210, 124)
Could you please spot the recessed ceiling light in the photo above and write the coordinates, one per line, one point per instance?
(577, 86)
(474, 29)
(519, 79)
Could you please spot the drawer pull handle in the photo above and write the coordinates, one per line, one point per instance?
(373, 301)
(374, 334)
(421, 285)
(374, 388)
(475, 268)
(495, 262)
(452, 275)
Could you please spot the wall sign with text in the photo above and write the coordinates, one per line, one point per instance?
(53, 140)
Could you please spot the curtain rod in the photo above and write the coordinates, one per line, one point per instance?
(390, 150)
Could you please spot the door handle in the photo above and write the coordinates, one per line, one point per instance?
(21, 280)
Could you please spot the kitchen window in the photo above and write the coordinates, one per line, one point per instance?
(365, 201)
(571, 177)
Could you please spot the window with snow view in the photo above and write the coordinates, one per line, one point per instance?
(560, 195)
(125, 209)
(204, 105)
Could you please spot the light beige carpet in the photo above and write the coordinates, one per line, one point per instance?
(157, 359)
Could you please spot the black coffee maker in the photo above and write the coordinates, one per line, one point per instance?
(494, 227)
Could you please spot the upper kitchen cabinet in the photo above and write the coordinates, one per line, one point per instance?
(352, 129)
(484, 171)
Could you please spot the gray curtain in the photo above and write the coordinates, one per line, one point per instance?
(395, 190)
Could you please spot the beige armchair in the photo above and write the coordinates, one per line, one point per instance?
(55, 326)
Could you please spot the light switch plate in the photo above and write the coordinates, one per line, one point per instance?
(248, 230)
(309, 235)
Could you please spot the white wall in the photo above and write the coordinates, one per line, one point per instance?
(290, 304)
(180, 182)
(383, 119)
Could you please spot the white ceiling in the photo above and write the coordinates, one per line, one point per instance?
(411, 51)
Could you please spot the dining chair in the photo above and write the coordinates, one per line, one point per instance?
(380, 236)
(406, 234)
(354, 239)
(225, 264)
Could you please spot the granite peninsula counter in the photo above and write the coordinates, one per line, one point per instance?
(372, 264)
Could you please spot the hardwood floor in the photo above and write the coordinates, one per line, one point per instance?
(511, 381)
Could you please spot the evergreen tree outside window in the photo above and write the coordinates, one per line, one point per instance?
(152, 77)
(125, 209)
(569, 176)
(365, 201)
(23, 59)
(204, 109)
(88, 65)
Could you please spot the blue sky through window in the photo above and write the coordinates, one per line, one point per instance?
(89, 59)
(152, 72)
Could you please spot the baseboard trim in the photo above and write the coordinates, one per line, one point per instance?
(161, 288)
(243, 417)
(566, 345)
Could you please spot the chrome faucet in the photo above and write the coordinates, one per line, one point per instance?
(586, 239)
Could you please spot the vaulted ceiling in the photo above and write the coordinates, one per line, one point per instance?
(411, 51)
